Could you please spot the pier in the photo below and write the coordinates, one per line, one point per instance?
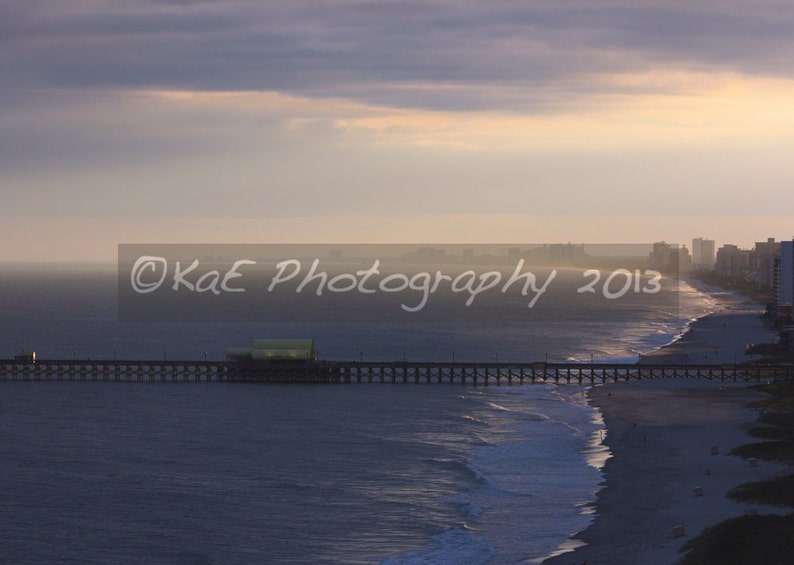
(395, 372)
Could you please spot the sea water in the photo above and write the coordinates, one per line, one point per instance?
(290, 474)
(70, 311)
(223, 473)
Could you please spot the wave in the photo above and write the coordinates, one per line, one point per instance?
(693, 305)
(470, 474)
(497, 406)
(473, 419)
(466, 508)
(457, 545)
(652, 330)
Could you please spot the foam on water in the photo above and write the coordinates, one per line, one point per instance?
(457, 545)
(486, 475)
(537, 468)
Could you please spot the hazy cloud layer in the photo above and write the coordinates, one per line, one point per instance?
(139, 113)
(395, 53)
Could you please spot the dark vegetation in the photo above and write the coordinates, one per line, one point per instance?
(754, 539)
(751, 288)
(746, 540)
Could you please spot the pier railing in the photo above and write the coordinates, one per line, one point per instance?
(468, 373)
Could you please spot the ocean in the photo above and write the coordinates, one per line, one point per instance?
(361, 473)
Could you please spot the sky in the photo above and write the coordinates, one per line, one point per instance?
(350, 121)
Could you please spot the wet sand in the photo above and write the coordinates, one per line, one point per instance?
(721, 337)
(669, 472)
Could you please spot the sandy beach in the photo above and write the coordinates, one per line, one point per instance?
(720, 337)
(669, 472)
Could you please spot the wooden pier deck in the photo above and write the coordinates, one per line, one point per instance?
(469, 373)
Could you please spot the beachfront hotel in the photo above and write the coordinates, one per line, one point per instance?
(702, 253)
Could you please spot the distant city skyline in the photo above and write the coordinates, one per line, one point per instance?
(451, 122)
(504, 246)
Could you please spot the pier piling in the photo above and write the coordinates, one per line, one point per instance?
(397, 372)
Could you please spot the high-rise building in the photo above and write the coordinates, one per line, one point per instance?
(667, 257)
(763, 260)
(784, 274)
(702, 252)
(732, 261)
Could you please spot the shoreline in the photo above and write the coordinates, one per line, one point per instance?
(669, 472)
(719, 337)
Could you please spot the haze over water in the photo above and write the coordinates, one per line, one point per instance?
(293, 121)
(71, 312)
(98, 472)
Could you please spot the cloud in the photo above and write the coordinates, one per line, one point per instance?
(301, 110)
(522, 56)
